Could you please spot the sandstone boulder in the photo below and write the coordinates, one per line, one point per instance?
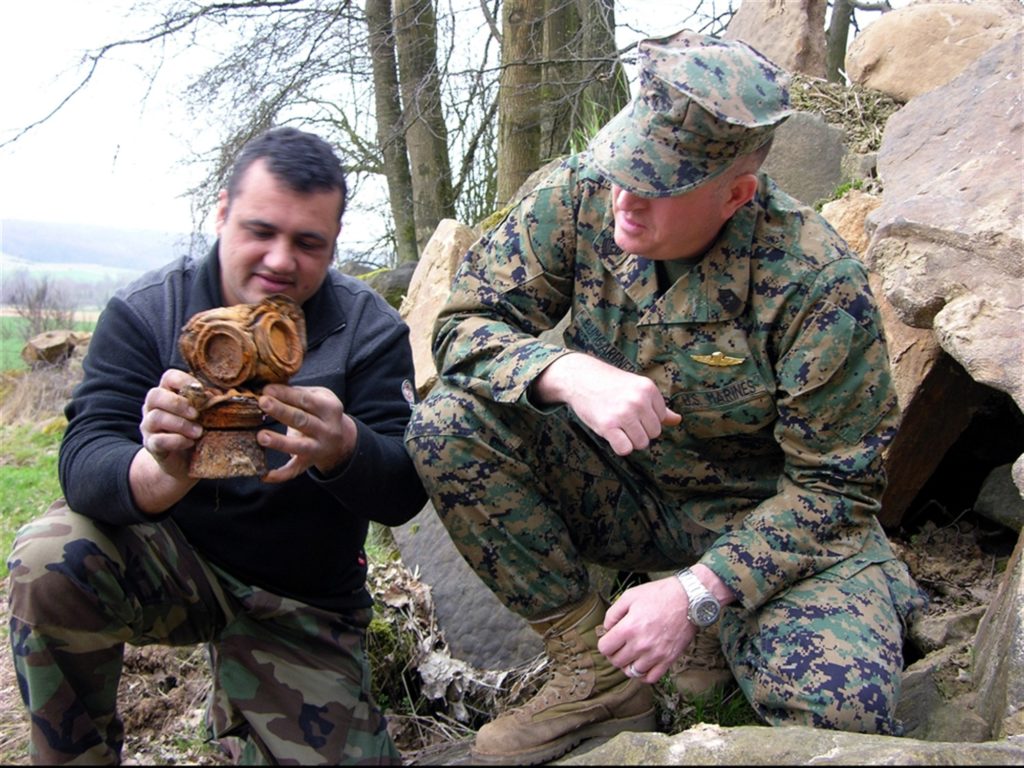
(915, 49)
(792, 34)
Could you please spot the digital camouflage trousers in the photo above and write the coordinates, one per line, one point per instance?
(530, 499)
(291, 680)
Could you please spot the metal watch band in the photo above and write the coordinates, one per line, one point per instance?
(704, 608)
(694, 589)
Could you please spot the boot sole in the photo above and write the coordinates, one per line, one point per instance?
(552, 749)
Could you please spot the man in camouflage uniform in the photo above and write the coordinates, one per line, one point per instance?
(722, 395)
(269, 572)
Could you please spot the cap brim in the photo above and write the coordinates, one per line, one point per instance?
(635, 160)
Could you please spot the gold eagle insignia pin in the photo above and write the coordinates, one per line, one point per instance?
(718, 359)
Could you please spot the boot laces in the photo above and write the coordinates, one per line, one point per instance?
(705, 652)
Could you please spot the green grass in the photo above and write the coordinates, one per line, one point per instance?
(11, 342)
(28, 476)
(28, 484)
(724, 705)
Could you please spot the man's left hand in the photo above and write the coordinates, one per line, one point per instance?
(647, 628)
(648, 625)
(320, 434)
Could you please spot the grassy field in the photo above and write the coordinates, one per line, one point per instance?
(12, 339)
(28, 475)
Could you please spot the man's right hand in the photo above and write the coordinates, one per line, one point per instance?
(625, 409)
(169, 427)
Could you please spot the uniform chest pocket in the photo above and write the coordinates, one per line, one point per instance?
(740, 406)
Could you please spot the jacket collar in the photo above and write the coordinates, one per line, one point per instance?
(716, 289)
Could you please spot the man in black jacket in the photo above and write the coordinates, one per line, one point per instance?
(270, 571)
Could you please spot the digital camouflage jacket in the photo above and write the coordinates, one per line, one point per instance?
(771, 348)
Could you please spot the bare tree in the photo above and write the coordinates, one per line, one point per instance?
(390, 126)
(408, 90)
(561, 80)
(519, 107)
(41, 303)
(425, 130)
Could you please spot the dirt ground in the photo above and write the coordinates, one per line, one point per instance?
(957, 560)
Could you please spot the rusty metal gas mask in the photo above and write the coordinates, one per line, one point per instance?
(234, 351)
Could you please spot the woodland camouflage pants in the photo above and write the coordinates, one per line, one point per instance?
(529, 499)
(290, 679)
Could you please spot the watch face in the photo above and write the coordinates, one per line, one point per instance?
(705, 612)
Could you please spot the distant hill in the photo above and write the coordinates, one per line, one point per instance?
(89, 262)
(91, 247)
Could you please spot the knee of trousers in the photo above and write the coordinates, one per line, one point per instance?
(450, 421)
(841, 673)
(54, 563)
(855, 705)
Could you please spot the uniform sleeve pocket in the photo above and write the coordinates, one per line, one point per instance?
(835, 377)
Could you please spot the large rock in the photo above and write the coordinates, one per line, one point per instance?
(479, 629)
(792, 34)
(947, 239)
(392, 284)
(925, 378)
(848, 216)
(999, 657)
(53, 347)
(795, 745)
(428, 290)
(913, 50)
(1000, 500)
(807, 158)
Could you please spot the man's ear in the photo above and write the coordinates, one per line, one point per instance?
(741, 191)
(222, 209)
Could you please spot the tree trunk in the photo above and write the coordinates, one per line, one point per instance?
(561, 80)
(390, 137)
(561, 73)
(835, 40)
(426, 135)
(606, 89)
(519, 94)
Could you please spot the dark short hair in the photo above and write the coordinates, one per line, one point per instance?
(303, 161)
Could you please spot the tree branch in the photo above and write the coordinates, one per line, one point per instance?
(171, 25)
(491, 22)
(871, 5)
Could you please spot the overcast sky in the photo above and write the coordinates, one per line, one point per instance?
(111, 155)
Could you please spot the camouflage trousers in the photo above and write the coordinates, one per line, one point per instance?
(290, 679)
(512, 487)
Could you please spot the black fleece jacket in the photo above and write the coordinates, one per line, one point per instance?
(303, 538)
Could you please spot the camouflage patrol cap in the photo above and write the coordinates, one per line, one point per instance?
(702, 102)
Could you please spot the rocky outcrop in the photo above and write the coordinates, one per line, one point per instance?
(924, 377)
(796, 745)
(915, 49)
(478, 628)
(807, 158)
(998, 669)
(428, 288)
(947, 239)
(792, 34)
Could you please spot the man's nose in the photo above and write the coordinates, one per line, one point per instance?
(280, 255)
(626, 200)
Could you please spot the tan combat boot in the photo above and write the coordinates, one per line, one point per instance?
(702, 667)
(586, 696)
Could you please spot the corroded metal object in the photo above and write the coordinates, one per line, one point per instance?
(235, 351)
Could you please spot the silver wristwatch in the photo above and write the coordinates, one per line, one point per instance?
(704, 608)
